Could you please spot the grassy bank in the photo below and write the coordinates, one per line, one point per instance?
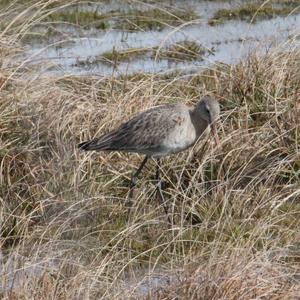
(181, 51)
(31, 18)
(63, 229)
(256, 11)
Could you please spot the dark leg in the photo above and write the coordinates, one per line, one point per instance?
(159, 190)
(133, 182)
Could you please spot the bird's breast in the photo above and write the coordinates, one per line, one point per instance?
(182, 137)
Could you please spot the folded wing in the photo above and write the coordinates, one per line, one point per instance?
(145, 132)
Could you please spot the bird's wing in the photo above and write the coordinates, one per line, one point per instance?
(145, 131)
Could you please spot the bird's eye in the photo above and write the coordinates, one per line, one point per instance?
(207, 110)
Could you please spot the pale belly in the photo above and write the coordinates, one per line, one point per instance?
(178, 141)
(169, 147)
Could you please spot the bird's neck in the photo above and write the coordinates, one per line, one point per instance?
(199, 123)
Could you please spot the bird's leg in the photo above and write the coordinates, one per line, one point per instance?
(133, 182)
(159, 190)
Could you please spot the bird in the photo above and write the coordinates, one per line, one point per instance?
(160, 131)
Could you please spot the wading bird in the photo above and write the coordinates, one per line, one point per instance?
(157, 132)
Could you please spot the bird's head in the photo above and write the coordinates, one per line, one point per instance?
(208, 109)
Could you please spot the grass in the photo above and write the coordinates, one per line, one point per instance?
(63, 229)
(66, 207)
(51, 19)
(72, 14)
(154, 19)
(117, 56)
(252, 12)
(80, 18)
(293, 3)
(181, 51)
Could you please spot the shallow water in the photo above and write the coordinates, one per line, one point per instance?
(78, 52)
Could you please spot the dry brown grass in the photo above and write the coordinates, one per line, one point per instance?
(63, 228)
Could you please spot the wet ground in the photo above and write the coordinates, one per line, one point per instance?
(69, 49)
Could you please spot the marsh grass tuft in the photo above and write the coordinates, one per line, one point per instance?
(81, 18)
(154, 19)
(251, 13)
(183, 51)
(117, 56)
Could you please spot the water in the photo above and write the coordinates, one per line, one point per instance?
(17, 270)
(78, 52)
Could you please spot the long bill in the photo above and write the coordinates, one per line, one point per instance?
(214, 132)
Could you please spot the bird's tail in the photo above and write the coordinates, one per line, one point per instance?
(87, 145)
(103, 143)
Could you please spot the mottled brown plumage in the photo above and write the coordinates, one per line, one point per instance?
(159, 131)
